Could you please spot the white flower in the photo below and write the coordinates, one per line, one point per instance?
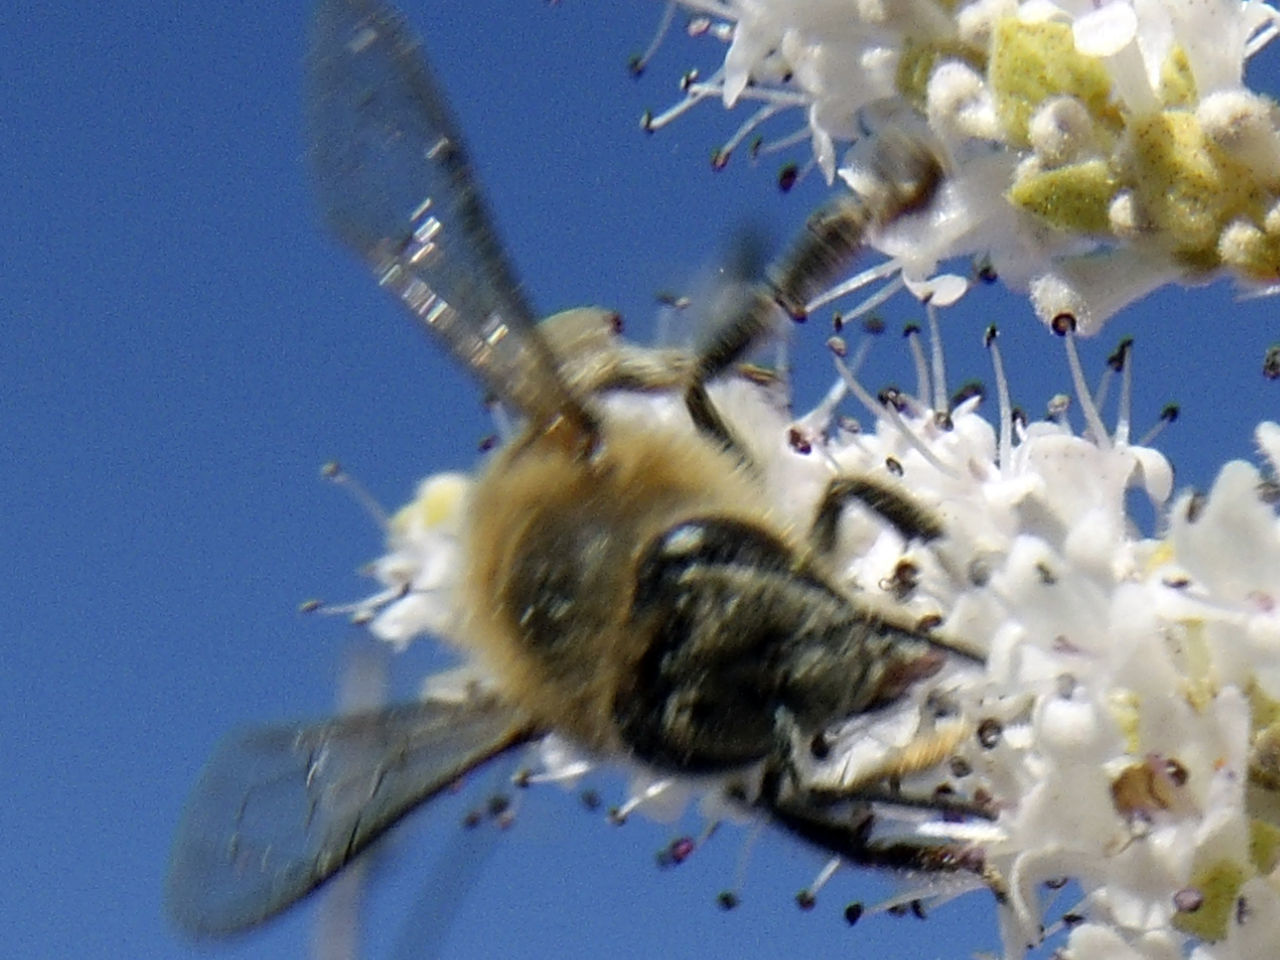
(1093, 152)
(421, 565)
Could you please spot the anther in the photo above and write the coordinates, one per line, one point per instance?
(1188, 900)
(1271, 362)
(989, 733)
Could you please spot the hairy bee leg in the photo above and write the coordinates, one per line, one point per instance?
(906, 174)
(901, 176)
(833, 235)
(780, 766)
(730, 341)
(905, 515)
(948, 805)
(850, 839)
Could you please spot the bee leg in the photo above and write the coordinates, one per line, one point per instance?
(778, 772)
(909, 518)
(729, 342)
(850, 837)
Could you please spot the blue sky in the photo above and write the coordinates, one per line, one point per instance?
(185, 346)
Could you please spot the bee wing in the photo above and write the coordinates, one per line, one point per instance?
(279, 810)
(393, 177)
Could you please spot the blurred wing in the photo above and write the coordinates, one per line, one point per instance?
(279, 810)
(396, 186)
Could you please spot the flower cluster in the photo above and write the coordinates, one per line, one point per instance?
(1118, 718)
(1125, 722)
(1093, 151)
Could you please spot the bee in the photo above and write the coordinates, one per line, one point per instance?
(624, 584)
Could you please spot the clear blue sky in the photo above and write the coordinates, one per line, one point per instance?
(184, 347)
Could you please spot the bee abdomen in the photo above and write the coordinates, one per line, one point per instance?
(737, 629)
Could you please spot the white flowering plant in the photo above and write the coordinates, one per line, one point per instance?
(1094, 152)
(1122, 729)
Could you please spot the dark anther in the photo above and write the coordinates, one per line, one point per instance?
(1188, 900)
(797, 441)
(1269, 492)
(1271, 362)
(967, 391)
(1120, 355)
(1063, 324)
(989, 732)
(1195, 506)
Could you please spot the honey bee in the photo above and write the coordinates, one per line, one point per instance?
(624, 584)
